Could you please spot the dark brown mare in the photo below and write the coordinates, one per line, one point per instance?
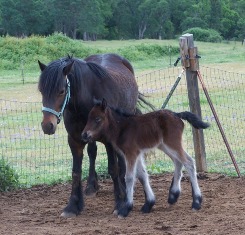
(133, 135)
(68, 87)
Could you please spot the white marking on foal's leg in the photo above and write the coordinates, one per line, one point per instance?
(196, 192)
(130, 181)
(144, 179)
(175, 187)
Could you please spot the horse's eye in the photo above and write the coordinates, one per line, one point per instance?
(62, 92)
(97, 119)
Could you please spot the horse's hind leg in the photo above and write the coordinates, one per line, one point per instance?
(175, 187)
(92, 182)
(196, 192)
(143, 177)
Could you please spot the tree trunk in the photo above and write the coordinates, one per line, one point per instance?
(85, 36)
(142, 29)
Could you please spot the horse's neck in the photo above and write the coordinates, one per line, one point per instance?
(82, 90)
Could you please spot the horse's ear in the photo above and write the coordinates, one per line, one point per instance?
(67, 68)
(41, 65)
(103, 104)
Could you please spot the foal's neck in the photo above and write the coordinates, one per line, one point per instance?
(116, 124)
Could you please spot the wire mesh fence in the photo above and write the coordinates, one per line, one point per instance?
(37, 158)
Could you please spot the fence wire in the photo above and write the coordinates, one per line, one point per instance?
(40, 159)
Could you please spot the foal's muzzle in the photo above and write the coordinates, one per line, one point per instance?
(86, 137)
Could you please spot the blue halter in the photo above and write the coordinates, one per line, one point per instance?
(66, 100)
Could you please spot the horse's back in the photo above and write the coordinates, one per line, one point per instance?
(125, 87)
(113, 63)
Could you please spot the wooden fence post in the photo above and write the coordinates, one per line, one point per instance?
(189, 60)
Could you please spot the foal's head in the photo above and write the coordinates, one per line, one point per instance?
(97, 122)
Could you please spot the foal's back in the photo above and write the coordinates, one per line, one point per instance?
(149, 130)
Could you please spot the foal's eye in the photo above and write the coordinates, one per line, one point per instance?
(97, 119)
(62, 92)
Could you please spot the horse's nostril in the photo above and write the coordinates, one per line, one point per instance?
(48, 128)
(51, 126)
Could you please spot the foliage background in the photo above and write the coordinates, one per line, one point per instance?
(121, 19)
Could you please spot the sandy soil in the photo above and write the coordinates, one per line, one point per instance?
(37, 210)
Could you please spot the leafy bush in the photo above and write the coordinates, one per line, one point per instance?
(8, 177)
(146, 51)
(205, 35)
(18, 52)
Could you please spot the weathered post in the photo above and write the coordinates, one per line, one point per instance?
(189, 60)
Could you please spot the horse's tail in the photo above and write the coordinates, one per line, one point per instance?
(142, 102)
(193, 119)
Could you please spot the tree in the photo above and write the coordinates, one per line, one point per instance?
(23, 17)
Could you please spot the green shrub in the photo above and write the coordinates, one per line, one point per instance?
(146, 51)
(205, 35)
(8, 177)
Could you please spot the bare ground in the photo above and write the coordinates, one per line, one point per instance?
(37, 210)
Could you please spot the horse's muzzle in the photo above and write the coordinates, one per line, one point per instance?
(48, 128)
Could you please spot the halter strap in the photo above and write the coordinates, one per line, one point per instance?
(66, 100)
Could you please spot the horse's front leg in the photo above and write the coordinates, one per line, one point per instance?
(117, 169)
(92, 182)
(76, 203)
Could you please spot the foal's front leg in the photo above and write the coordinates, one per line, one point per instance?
(130, 181)
(143, 177)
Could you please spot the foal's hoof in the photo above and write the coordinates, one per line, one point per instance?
(197, 203)
(146, 208)
(123, 212)
(173, 197)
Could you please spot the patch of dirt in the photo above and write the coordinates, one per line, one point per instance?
(37, 210)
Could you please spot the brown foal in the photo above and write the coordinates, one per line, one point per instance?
(134, 135)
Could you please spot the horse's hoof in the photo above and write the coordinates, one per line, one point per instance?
(91, 191)
(68, 214)
(115, 212)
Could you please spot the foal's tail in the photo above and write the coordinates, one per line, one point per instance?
(193, 119)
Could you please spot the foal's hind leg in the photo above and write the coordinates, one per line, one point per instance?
(196, 192)
(143, 177)
(175, 187)
(92, 182)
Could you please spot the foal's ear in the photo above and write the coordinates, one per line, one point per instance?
(67, 68)
(41, 65)
(103, 104)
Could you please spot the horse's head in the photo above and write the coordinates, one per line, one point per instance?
(97, 122)
(55, 89)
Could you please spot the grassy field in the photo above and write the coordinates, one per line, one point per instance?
(43, 159)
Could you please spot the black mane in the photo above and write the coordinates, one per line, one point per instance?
(51, 79)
